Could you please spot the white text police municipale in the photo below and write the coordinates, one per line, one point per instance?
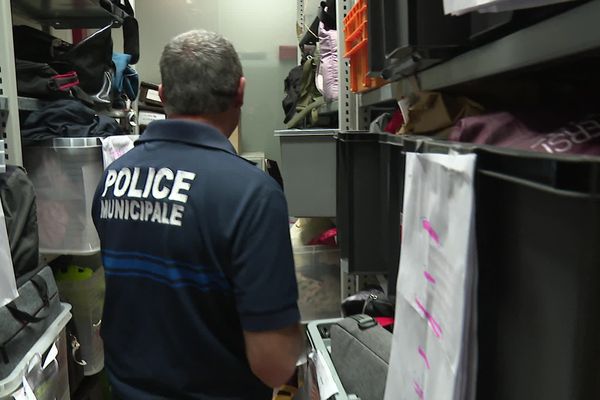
(160, 197)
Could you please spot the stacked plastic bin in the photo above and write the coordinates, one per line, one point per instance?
(65, 173)
(43, 370)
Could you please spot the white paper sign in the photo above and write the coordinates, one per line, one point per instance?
(8, 285)
(435, 336)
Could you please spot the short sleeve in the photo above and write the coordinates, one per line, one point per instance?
(264, 280)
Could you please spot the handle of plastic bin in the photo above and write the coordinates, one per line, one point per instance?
(75, 346)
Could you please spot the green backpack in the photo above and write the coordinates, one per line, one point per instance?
(309, 98)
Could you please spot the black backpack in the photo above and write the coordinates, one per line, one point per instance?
(293, 87)
(327, 14)
(20, 212)
(303, 99)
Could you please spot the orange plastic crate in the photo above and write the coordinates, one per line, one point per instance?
(356, 40)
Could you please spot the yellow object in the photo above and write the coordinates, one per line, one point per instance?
(285, 392)
(74, 273)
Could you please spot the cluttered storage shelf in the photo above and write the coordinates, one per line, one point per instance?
(61, 94)
(515, 92)
(570, 33)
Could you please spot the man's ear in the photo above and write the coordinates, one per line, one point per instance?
(239, 96)
(161, 93)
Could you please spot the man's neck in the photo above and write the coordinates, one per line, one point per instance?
(215, 121)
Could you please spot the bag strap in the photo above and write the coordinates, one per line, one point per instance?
(42, 288)
(131, 30)
(131, 39)
(63, 82)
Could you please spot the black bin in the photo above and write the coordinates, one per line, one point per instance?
(359, 199)
(538, 243)
(538, 234)
(417, 34)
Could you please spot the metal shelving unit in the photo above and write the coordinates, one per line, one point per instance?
(329, 108)
(67, 14)
(567, 34)
(59, 14)
(10, 128)
(30, 104)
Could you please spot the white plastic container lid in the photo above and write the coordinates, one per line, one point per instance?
(13, 381)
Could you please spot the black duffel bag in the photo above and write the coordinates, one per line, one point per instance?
(41, 81)
(18, 202)
(90, 59)
(24, 320)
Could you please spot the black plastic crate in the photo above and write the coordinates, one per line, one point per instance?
(359, 199)
(417, 35)
(538, 229)
(392, 188)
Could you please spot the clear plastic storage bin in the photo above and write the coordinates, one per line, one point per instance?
(46, 374)
(65, 173)
(82, 285)
(318, 275)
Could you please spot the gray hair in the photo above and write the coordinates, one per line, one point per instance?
(200, 73)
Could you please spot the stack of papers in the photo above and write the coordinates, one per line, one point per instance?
(459, 7)
(434, 348)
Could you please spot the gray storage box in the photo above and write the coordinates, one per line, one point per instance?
(308, 167)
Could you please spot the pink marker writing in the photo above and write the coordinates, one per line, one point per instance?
(432, 233)
(437, 330)
(419, 390)
(429, 277)
(424, 357)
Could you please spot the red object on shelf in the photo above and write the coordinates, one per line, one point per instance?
(327, 238)
(384, 321)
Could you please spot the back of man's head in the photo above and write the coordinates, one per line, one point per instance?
(200, 73)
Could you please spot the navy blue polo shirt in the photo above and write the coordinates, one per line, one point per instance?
(196, 249)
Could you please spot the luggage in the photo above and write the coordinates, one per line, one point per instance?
(90, 58)
(303, 99)
(90, 61)
(18, 202)
(41, 81)
(41, 372)
(360, 351)
(24, 321)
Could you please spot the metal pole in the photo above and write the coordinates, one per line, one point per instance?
(8, 86)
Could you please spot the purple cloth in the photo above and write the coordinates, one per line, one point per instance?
(328, 67)
(506, 130)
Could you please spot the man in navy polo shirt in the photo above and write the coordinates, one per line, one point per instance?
(200, 286)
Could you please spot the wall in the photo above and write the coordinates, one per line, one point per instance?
(256, 28)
